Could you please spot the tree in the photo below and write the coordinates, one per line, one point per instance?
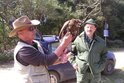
(53, 13)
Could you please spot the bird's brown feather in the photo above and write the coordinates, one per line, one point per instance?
(72, 26)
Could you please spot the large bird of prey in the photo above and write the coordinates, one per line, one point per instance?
(72, 26)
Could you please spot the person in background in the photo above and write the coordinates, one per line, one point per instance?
(90, 54)
(30, 61)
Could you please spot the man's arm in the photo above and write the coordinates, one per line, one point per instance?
(28, 55)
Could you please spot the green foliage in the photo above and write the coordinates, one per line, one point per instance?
(53, 13)
(6, 56)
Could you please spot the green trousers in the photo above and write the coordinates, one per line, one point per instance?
(88, 78)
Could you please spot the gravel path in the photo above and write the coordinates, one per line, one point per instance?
(119, 59)
(7, 71)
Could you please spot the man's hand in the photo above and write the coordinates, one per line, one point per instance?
(66, 39)
(75, 66)
(64, 57)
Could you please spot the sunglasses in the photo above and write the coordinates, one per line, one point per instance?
(32, 28)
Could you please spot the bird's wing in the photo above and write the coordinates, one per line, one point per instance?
(63, 29)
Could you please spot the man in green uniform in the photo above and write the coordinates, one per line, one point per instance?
(90, 52)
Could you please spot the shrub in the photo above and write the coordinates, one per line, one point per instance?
(6, 56)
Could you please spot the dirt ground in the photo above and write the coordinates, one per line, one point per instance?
(7, 72)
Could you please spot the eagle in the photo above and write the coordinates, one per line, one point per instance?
(71, 26)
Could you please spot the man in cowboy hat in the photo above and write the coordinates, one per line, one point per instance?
(30, 62)
(90, 51)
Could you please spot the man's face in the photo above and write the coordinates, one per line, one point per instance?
(28, 34)
(89, 29)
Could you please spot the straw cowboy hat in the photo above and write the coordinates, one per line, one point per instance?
(22, 23)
